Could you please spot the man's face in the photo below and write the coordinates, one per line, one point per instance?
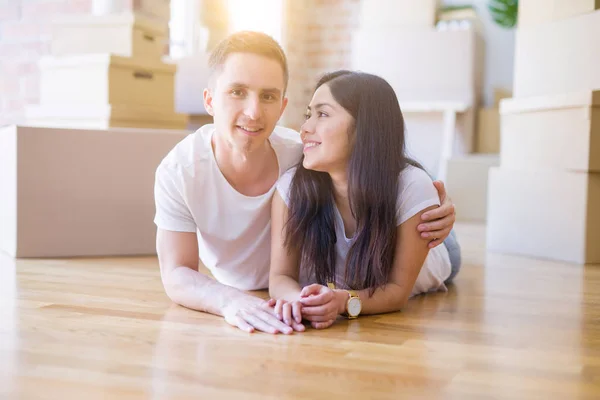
(246, 100)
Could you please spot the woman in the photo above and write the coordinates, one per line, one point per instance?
(344, 221)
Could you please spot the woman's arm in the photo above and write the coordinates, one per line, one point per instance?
(409, 256)
(284, 270)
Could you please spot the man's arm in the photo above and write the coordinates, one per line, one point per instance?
(178, 259)
(437, 223)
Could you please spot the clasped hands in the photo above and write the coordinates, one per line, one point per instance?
(317, 304)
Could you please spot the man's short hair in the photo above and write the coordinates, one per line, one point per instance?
(247, 42)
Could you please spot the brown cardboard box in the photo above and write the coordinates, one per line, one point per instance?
(126, 35)
(535, 12)
(501, 94)
(467, 182)
(159, 10)
(399, 14)
(103, 117)
(488, 131)
(104, 79)
(558, 57)
(73, 192)
(544, 214)
(560, 132)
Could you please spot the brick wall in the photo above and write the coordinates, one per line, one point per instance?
(317, 39)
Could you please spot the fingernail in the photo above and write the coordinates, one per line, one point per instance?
(425, 235)
(421, 227)
(425, 216)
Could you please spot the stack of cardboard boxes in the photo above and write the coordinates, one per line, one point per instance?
(75, 181)
(544, 196)
(107, 71)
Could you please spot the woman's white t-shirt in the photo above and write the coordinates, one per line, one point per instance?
(415, 193)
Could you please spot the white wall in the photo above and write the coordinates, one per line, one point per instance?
(499, 50)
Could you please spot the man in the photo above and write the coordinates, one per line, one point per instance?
(213, 190)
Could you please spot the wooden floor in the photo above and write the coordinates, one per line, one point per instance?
(510, 328)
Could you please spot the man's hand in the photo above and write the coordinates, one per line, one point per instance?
(289, 312)
(258, 316)
(320, 305)
(441, 219)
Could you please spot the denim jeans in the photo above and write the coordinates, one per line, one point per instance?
(453, 247)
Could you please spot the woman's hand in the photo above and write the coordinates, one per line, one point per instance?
(321, 305)
(289, 312)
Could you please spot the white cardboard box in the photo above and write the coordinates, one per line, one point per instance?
(544, 214)
(126, 35)
(560, 132)
(423, 65)
(104, 79)
(70, 192)
(558, 57)
(467, 183)
(103, 117)
(190, 81)
(535, 12)
(398, 14)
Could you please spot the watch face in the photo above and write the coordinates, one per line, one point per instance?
(354, 306)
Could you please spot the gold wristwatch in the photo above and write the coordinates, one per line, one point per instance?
(353, 304)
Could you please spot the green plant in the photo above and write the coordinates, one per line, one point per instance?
(504, 12)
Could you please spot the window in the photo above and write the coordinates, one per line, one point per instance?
(257, 15)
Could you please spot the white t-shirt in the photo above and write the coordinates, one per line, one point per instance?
(415, 193)
(234, 231)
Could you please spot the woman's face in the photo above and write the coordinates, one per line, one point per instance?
(326, 133)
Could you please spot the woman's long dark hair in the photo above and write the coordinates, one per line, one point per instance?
(376, 160)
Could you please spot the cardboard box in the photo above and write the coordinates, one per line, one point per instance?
(544, 214)
(423, 65)
(104, 79)
(159, 10)
(103, 117)
(467, 183)
(501, 94)
(558, 57)
(536, 12)
(552, 133)
(190, 81)
(398, 14)
(126, 35)
(70, 192)
(488, 131)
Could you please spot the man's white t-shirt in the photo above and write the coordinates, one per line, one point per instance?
(415, 193)
(234, 231)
